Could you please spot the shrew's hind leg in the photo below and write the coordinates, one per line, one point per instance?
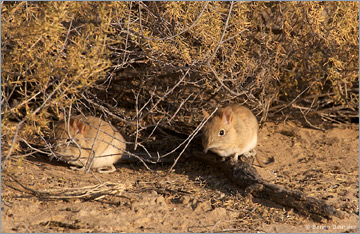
(252, 154)
(75, 168)
(104, 170)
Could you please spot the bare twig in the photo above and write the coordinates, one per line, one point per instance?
(173, 36)
(222, 35)
(168, 92)
(222, 83)
(93, 192)
(137, 119)
(23, 121)
(92, 154)
(67, 36)
(190, 138)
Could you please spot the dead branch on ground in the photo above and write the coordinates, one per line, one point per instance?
(246, 177)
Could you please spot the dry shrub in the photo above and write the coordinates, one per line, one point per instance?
(153, 65)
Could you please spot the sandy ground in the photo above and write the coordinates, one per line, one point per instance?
(193, 198)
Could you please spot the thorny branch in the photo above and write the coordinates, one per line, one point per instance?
(23, 121)
(173, 36)
(163, 98)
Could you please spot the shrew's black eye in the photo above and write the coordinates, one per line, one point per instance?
(222, 132)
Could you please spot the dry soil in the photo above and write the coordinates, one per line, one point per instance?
(193, 198)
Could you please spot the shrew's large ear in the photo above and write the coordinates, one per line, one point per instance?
(78, 125)
(205, 114)
(227, 116)
(61, 116)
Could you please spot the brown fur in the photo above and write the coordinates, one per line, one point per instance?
(108, 147)
(240, 129)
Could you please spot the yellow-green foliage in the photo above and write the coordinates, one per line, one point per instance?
(44, 44)
(285, 46)
(267, 54)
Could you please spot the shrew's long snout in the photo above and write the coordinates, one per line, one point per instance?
(205, 145)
